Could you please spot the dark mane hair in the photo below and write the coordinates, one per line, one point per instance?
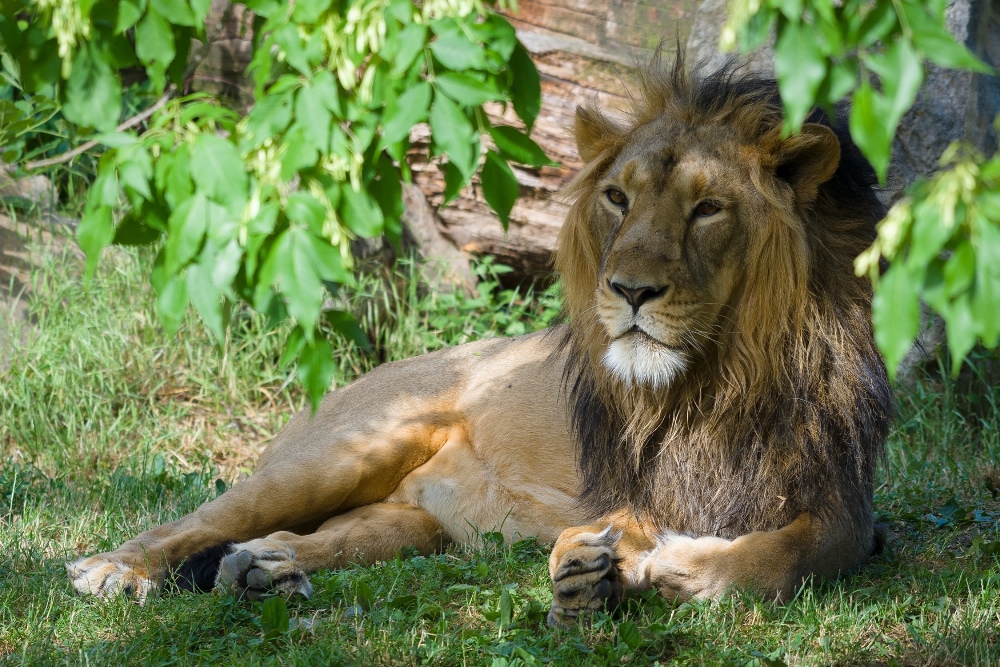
(792, 404)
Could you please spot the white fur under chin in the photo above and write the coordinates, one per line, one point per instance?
(638, 361)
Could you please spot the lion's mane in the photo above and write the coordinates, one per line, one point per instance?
(788, 409)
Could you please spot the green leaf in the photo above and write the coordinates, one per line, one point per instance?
(325, 87)
(309, 11)
(838, 82)
(960, 328)
(387, 191)
(104, 191)
(132, 177)
(300, 151)
(506, 609)
(895, 315)
(313, 114)
(960, 269)
(868, 128)
(932, 39)
(465, 90)
(305, 209)
(877, 24)
(411, 42)
(172, 303)
(301, 261)
(93, 96)
(269, 117)
(154, 40)
(186, 231)
(206, 281)
(454, 181)
(274, 617)
(517, 147)
(453, 133)
(792, 9)
(628, 634)
(986, 296)
(94, 233)
(901, 72)
(405, 111)
(315, 370)
(456, 51)
(344, 324)
(360, 214)
(500, 186)
(929, 233)
(178, 186)
(177, 12)
(129, 11)
(525, 87)
(800, 67)
(287, 38)
(498, 34)
(217, 169)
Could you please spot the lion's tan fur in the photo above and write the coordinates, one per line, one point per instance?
(760, 443)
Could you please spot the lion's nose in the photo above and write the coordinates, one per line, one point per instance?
(636, 296)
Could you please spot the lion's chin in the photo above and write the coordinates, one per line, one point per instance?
(640, 360)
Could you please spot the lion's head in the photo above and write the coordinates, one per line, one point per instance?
(708, 276)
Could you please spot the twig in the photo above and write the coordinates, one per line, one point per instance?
(86, 146)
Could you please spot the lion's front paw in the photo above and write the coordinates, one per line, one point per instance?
(584, 580)
(257, 568)
(106, 577)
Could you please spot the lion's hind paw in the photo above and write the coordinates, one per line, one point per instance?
(254, 569)
(106, 578)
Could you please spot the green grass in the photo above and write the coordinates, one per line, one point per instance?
(109, 426)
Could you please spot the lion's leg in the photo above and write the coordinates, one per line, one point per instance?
(770, 563)
(591, 566)
(296, 488)
(281, 562)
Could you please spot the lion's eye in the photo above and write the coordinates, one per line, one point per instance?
(617, 197)
(707, 209)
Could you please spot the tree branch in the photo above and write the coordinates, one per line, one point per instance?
(86, 146)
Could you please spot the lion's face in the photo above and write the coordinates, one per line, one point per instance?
(671, 210)
(684, 219)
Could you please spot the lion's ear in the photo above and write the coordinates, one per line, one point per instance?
(808, 160)
(595, 133)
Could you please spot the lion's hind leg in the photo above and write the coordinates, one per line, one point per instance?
(281, 562)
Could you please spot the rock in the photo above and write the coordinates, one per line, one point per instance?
(36, 189)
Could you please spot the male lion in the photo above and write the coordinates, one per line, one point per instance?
(714, 409)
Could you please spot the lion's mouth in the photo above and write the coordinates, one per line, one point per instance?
(644, 336)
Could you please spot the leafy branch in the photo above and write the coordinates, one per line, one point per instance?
(259, 210)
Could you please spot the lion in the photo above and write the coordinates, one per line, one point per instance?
(709, 418)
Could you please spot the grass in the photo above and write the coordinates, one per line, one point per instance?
(108, 426)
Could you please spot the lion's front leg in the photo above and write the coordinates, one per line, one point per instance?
(592, 566)
(772, 564)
